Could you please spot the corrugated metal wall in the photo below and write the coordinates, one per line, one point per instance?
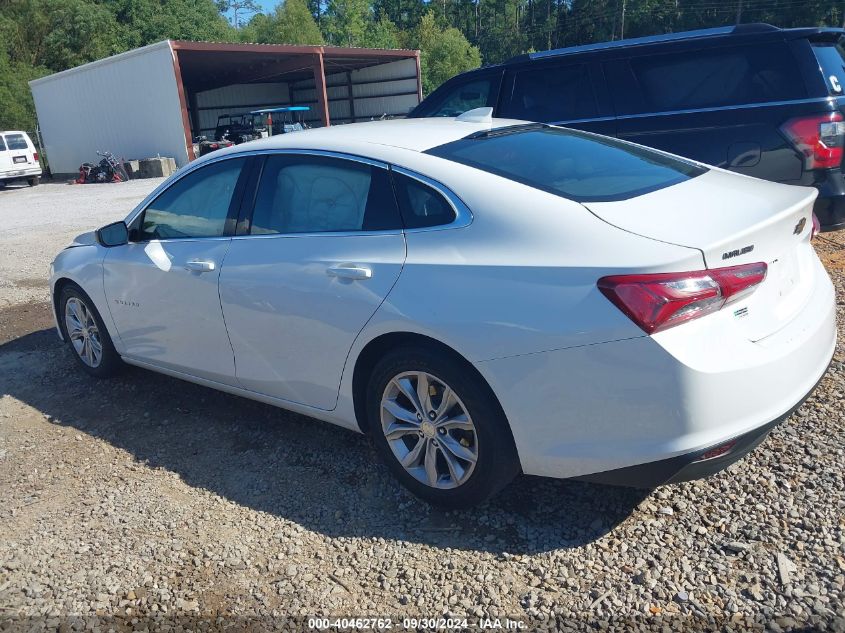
(235, 100)
(127, 104)
(387, 89)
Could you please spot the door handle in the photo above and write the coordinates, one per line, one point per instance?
(349, 271)
(199, 266)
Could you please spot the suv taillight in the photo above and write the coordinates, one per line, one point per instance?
(659, 301)
(819, 138)
(35, 156)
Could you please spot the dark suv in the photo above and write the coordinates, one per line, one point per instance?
(755, 99)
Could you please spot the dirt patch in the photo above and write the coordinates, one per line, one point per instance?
(16, 321)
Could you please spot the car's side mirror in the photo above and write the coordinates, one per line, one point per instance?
(114, 234)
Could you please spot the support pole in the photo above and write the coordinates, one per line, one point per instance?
(320, 86)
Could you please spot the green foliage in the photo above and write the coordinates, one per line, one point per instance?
(347, 22)
(445, 52)
(17, 112)
(38, 37)
(290, 23)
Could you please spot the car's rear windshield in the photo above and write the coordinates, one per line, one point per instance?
(831, 58)
(569, 163)
(16, 141)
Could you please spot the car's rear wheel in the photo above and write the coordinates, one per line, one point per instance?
(439, 428)
(33, 182)
(86, 334)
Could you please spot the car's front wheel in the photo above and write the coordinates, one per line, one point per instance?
(86, 334)
(439, 428)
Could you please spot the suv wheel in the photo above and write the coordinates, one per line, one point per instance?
(33, 182)
(439, 428)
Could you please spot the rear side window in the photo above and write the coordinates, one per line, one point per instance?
(569, 163)
(455, 100)
(422, 206)
(716, 78)
(2, 144)
(16, 141)
(831, 58)
(315, 194)
(552, 93)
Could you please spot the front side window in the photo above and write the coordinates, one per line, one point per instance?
(16, 141)
(716, 78)
(458, 99)
(318, 194)
(572, 164)
(197, 205)
(552, 93)
(422, 206)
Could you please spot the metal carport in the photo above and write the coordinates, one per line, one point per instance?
(153, 100)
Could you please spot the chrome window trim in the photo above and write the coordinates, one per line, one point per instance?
(463, 216)
(765, 104)
(183, 171)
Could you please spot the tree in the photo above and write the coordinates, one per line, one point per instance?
(290, 23)
(445, 52)
(347, 21)
(17, 111)
(240, 9)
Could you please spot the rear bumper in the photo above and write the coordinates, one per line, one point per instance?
(20, 174)
(695, 465)
(663, 400)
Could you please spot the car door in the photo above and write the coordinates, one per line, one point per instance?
(162, 286)
(5, 157)
(562, 92)
(323, 247)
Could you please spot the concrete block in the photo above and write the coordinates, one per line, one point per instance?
(154, 167)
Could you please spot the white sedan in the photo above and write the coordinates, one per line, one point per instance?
(479, 296)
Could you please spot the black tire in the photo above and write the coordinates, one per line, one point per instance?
(110, 362)
(497, 462)
(34, 182)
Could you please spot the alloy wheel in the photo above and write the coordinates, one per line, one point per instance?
(83, 332)
(429, 430)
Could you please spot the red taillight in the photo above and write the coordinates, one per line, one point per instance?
(819, 138)
(659, 301)
(35, 156)
(817, 227)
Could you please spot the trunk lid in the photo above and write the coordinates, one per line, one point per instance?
(733, 219)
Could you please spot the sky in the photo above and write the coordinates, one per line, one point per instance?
(266, 7)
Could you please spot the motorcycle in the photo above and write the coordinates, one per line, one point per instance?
(109, 169)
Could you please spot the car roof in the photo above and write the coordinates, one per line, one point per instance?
(665, 38)
(375, 139)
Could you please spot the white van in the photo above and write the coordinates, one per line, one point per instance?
(18, 159)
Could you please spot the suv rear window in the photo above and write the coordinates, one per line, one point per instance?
(716, 78)
(569, 163)
(831, 58)
(16, 141)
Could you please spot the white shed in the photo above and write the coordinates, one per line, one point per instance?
(152, 101)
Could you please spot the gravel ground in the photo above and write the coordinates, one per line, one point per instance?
(148, 502)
